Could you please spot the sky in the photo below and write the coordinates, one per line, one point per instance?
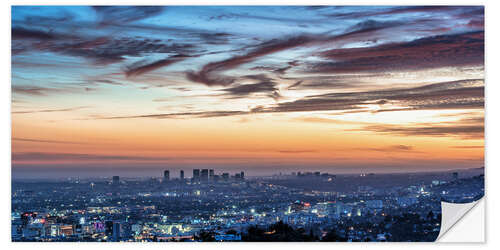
(133, 90)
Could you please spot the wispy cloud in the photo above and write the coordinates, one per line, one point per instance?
(432, 52)
(49, 110)
(451, 95)
(34, 90)
(463, 94)
(264, 85)
(201, 114)
(45, 141)
(296, 151)
(467, 147)
(125, 14)
(140, 68)
(389, 149)
(102, 50)
(41, 156)
(210, 73)
(465, 128)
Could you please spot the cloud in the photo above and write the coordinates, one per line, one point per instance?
(210, 73)
(108, 15)
(102, 50)
(327, 120)
(48, 110)
(206, 74)
(462, 94)
(295, 85)
(402, 147)
(296, 151)
(41, 156)
(368, 25)
(421, 9)
(391, 11)
(390, 149)
(446, 95)
(467, 147)
(44, 91)
(136, 70)
(281, 71)
(34, 91)
(115, 50)
(464, 132)
(264, 85)
(24, 33)
(465, 128)
(215, 38)
(335, 81)
(466, 49)
(276, 70)
(201, 114)
(44, 141)
(476, 23)
(107, 81)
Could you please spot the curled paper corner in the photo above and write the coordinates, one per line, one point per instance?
(453, 213)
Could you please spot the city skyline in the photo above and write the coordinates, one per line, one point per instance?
(210, 207)
(339, 89)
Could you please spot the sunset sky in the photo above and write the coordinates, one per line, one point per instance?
(135, 90)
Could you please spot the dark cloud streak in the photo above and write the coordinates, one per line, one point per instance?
(45, 141)
(41, 156)
(49, 110)
(463, 94)
(209, 73)
(125, 14)
(426, 53)
(136, 70)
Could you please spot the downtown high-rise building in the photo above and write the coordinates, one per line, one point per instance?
(166, 175)
(116, 180)
(196, 174)
(182, 175)
(204, 175)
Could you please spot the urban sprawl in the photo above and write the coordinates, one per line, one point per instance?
(296, 206)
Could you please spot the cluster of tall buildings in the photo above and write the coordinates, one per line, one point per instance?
(204, 175)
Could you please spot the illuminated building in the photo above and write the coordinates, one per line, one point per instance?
(116, 231)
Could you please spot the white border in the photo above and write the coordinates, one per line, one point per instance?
(492, 135)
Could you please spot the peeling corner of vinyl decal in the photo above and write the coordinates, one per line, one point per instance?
(452, 213)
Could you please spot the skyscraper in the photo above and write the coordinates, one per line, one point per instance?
(182, 175)
(242, 175)
(116, 231)
(196, 174)
(204, 174)
(116, 180)
(211, 174)
(166, 175)
(108, 228)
